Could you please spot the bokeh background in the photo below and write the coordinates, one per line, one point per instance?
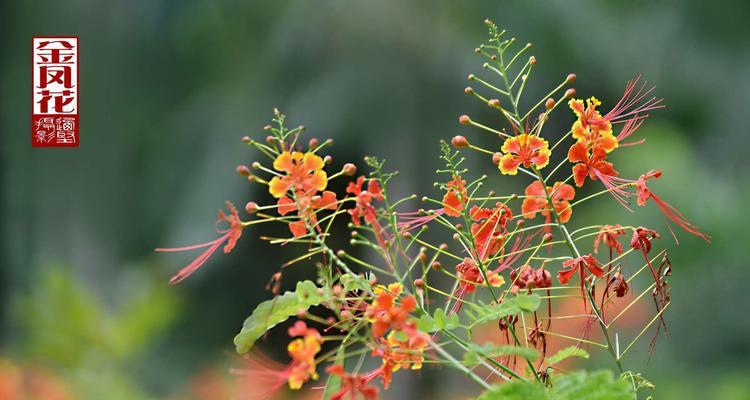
(170, 87)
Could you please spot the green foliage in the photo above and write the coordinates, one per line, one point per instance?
(580, 385)
(92, 339)
(439, 321)
(481, 312)
(476, 351)
(354, 282)
(275, 311)
(565, 353)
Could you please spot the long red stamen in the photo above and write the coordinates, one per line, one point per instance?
(198, 261)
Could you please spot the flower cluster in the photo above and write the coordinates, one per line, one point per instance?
(437, 294)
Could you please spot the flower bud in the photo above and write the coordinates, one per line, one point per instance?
(570, 78)
(270, 139)
(549, 104)
(251, 207)
(468, 90)
(436, 265)
(419, 283)
(337, 290)
(327, 159)
(246, 139)
(459, 142)
(532, 59)
(243, 170)
(313, 143)
(547, 238)
(494, 103)
(255, 165)
(349, 169)
(267, 128)
(496, 158)
(340, 253)
(464, 120)
(570, 93)
(470, 77)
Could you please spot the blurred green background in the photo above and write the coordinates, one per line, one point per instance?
(169, 87)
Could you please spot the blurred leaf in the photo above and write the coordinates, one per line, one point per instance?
(477, 351)
(509, 306)
(599, 385)
(565, 353)
(275, 311)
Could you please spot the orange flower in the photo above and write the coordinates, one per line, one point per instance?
(411, 342)
(404, 352)
(536, 201)
(590, 163)
(385, 314)
(304, 174)
(591, 128)
(525, 150)
(229, 239)
(302, 351)
(454, 199)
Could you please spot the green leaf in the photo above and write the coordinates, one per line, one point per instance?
(275, 311)
(477, 352)
(443, 321)
(509, 306)
(599, 385)
(425, 323)
(528, 303)
(565, 353)
(516, 391)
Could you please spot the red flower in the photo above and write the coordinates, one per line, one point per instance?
(353, 385)
(580, 265)
(608, 234)
(644, 194)
(470, 276)
(642, 239)
(536, 201)
(306, 207)
(454, 199)
(590, 163)
(364, 198)
(229, 236)
(489, 229)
